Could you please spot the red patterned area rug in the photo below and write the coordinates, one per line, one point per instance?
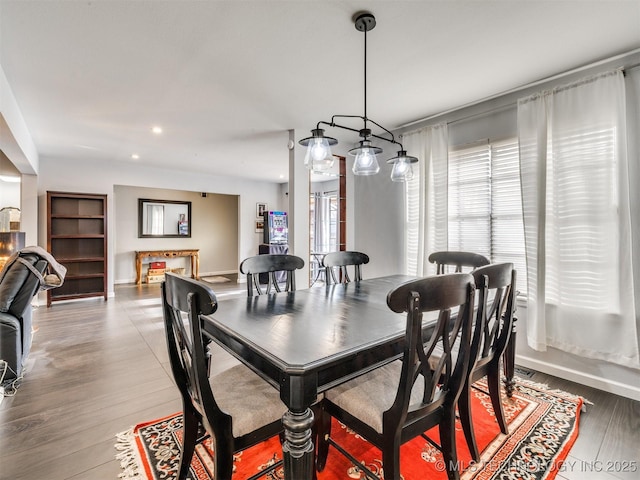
(543, 426)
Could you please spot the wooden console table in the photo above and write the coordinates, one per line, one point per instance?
(194, 254)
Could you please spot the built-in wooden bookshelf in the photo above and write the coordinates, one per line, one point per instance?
(77, 238)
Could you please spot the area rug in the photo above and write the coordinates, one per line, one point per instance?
(543, 426)
(216, 279)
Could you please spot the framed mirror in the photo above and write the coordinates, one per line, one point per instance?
(164, 218)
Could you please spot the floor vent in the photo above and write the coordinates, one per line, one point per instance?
(523, 372)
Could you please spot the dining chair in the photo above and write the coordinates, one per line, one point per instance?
(492, 329)
(235, 407)
(336, 263)
(493, 324)
(401, 400)
(457, 260)
(270, 265)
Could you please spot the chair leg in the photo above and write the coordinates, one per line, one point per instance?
(323, 426)
(448, 443)
(464, 409)
(493, 382)
(190, 420)
(391, 460)
(223, 462)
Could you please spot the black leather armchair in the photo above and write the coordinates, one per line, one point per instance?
(18, 285)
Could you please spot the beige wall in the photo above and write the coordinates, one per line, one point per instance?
(214, 231)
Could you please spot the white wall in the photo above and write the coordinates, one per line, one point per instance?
(214, 231)
(375, 213)
(91, 177)
(9, 194)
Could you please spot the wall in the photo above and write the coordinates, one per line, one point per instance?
(376, 212)
(9, 194)
(15, 140)
(98, 177)
(214, 231)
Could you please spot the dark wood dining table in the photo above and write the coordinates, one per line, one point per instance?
(307, 341)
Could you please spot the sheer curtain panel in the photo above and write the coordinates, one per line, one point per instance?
(575, 200)
(426, 208)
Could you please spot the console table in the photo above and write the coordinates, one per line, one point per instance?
(194, 254)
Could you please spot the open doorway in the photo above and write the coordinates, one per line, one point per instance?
(327, 217)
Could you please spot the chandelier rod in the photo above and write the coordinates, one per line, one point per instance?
(365, 77)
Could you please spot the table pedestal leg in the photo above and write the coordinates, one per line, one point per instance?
(298, 449)
(510, 361)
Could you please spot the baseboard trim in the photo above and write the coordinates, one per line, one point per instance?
(607, 385)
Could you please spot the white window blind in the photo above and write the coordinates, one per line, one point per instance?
(470, 200)
(485, 206)
(582, 214)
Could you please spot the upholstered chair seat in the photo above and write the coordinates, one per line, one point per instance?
(249, 400)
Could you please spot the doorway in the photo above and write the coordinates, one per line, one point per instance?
(327, 217)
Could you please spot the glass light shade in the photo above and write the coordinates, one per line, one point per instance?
(402, 170)
(319, 157)
(366, 161)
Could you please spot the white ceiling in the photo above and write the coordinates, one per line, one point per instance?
(226, 80)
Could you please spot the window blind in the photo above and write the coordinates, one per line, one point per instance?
(485, 206)
(583, 220)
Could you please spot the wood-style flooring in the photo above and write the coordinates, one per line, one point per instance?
(97, 368)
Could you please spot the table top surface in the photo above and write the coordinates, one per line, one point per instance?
(300, 331)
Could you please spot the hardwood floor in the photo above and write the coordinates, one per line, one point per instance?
(97, 368)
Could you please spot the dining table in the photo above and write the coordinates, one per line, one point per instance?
(307, 341)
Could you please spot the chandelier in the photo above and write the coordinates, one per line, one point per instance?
(319, 157)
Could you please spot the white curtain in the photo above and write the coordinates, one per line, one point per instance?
(322, 224)
(426, 198)
(575, 200)
(155, 219)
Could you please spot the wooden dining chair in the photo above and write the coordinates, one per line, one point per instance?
(336, 263)
(492, 329)
(495, 292)
(397, 402)
(447, 261)
(269, 266)
(235, 407)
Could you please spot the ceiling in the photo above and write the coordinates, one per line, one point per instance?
(227, 80)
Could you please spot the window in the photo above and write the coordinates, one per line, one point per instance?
(583, 216)
(485, 205)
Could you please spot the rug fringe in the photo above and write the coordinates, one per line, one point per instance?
(545, 387)
(128, 456)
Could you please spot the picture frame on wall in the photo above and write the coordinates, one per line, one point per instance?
(259, 226)
(260, 209)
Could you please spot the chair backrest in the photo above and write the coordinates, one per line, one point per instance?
(184, 297)
(457, 260)
(270, 266)
(452, 296)
(336, 266)
(494, 315)
(19, 283)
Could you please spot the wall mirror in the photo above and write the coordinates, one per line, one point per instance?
(163, 218)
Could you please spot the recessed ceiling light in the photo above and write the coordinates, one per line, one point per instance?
(281, 176)
(135, 156)
(157, 130)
